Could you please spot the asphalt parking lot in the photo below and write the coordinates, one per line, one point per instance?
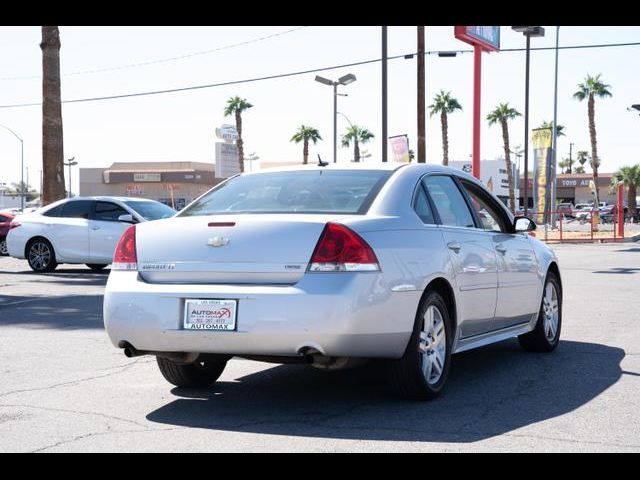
(65, 388)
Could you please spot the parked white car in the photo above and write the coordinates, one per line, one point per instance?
(78, 230)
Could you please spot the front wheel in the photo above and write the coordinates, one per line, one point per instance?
(200, 374)
(422, 371)
(4, 251)
(41, 256)
(546, 335)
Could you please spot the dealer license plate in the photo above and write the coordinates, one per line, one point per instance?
(210, 314)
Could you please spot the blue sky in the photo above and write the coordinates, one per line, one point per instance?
(180, 126)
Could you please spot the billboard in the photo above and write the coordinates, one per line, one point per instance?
(487, 37)
(226, 160)
(541, 139)
(400, 148)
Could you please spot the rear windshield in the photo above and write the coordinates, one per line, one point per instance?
(315, 191)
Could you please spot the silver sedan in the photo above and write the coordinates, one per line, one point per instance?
(334, 265)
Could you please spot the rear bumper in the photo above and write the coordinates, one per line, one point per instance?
(346, 314)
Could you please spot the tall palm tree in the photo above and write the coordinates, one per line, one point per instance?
(546, 124)
(52, 143)
(444, 104)
(235, 106)
(502, 114)
(564, 165)
(358, 136)
(593, 87)
(304, 134)
(630, 176)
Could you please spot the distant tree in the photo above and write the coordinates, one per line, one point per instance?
(358, 136)
(630, 176)
(502, 114)
(444, 104)
(236, 106)
(304, 134)
(564, 165)
(593, 87)
(546, 124)
(583, 157)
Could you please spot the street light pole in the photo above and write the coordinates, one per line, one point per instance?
(21, 165)
(554, 149)
(384, 94)
(344, 80)
(527, 32)
(70, 163)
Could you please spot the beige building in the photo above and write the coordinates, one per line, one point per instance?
(173, 183)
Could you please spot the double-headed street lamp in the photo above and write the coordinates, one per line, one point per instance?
(528, 32)
(344, 80)
(70, 163)
(635, 107)
(21, 166)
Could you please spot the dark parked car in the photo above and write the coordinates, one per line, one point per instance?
(5, 221)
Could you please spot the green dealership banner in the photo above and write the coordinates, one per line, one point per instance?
(542, 141)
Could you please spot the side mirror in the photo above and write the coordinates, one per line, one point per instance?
(523, 224)
(127, 218)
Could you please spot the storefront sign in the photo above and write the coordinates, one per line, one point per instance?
(147, 177)
(486, 37)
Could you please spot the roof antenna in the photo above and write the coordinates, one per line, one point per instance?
(321, 163)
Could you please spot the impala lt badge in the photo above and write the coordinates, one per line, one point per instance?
(218, 241)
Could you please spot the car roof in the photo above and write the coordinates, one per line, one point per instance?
(106, 197)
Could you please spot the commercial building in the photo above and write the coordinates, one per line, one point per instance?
(574, 188)
(173, 183)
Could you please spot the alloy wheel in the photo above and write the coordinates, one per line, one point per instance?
(432, 345)
(39, 255)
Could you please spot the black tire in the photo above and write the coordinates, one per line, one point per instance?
(96, 267)
(542, 338)
(3, 248)
(406, 373)
(200, 374)
(41, 256)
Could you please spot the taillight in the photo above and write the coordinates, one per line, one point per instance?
(125, 257)
(14, 224)
(342, 250)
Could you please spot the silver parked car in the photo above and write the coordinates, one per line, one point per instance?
(332, 265)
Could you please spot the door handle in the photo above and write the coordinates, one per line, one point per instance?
(455, 246)
(501, 248)
(95, 228)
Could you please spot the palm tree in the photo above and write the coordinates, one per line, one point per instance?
(52, 144)
(357, 135)
(564, 165)
(502, 114)
(591, 88)
(444, 104)
(630, 176)
(582, 157)
(304, 134)
(235, 106)
(546, 124)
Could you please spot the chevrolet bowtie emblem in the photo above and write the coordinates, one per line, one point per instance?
(218, 241)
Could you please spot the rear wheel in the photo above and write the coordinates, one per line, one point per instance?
(200, 374)
(41, 256)
(3, 248)
(422, 371)
(546, 335)
(96, 267)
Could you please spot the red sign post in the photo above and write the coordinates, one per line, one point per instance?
(483, 39)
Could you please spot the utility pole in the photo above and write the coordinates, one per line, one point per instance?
(422, 156)
(570, 158)
(384, 94)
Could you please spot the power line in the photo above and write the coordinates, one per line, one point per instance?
(163, 60)
(292, 74)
